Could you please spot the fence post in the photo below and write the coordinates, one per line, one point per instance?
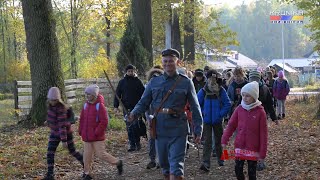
(15, 94)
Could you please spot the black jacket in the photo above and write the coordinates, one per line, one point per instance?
(267, 101)
(129, 90)
(199, 84)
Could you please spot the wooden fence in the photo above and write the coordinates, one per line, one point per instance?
(74, 91)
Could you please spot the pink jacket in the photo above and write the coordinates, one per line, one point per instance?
(252, 130)
(89, 128)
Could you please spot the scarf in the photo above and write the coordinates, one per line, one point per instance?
(250, 106)
(212, 92)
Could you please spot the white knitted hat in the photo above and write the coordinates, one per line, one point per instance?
(93, 89)
(252, 89)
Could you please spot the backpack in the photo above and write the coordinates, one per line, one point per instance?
(97, 108)
(70, 116)
(142, 128)
(263, 93)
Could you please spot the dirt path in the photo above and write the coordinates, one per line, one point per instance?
(293, 153)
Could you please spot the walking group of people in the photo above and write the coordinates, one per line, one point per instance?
(175, 104)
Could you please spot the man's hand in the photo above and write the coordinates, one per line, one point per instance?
(116, 111)
(65, 145)
(197, 140)
(130, 117)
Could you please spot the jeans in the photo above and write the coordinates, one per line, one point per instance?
(208, 129)
(281, 107)
(133, 133)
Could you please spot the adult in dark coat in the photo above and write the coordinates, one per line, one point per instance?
(130, 90)
(199, 80)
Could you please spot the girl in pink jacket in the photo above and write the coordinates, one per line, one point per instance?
(249, 119)
(92, 127)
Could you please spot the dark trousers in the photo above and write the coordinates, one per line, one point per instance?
(52, 147)
(252, 169)
(152, 149)
(207, 148)
(133, 133)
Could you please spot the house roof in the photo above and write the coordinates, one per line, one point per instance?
(222, 64)
(286, 67)
(312, 54)
(242, 61)
(296, 63)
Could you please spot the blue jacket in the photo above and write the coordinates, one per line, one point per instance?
(184, 92)
(214, 110)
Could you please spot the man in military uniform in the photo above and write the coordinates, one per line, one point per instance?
(171, 124)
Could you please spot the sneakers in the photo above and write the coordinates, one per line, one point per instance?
(86, 176)
(120, 167)
(279, 116)
(261, 166)
(205, 168)
(214, 154)
(131, 149)
(151, 165)
(48, 177)
(138, 146)
(220, 162)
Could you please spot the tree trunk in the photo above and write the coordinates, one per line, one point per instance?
(176, 37)
(43, 55)
(189, 46)
(141, 11)
(3, 45)
(318, 112)
(108, 22)
(74, 38)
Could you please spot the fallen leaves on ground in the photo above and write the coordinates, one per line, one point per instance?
(293, 153)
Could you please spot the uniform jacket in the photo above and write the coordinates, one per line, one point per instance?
(167, 125)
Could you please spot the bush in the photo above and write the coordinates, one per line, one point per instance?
(6, 96)
(116, 124)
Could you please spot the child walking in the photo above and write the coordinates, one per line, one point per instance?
(249, 119)
(281, 90)
(93, 123)
(60, 130)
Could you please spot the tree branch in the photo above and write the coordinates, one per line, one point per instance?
(63, 26)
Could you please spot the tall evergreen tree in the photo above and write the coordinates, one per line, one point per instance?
(141, 12)
(131, 50)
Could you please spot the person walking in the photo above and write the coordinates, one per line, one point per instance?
(168, 95)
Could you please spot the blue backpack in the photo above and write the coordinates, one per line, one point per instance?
(97, 108)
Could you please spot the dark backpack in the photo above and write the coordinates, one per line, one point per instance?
(70, 116)
(142, 128)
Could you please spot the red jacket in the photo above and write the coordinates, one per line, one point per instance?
(89, 128)
(252, 130)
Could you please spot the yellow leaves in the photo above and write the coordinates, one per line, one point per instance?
(93, 67)
(19, 70)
